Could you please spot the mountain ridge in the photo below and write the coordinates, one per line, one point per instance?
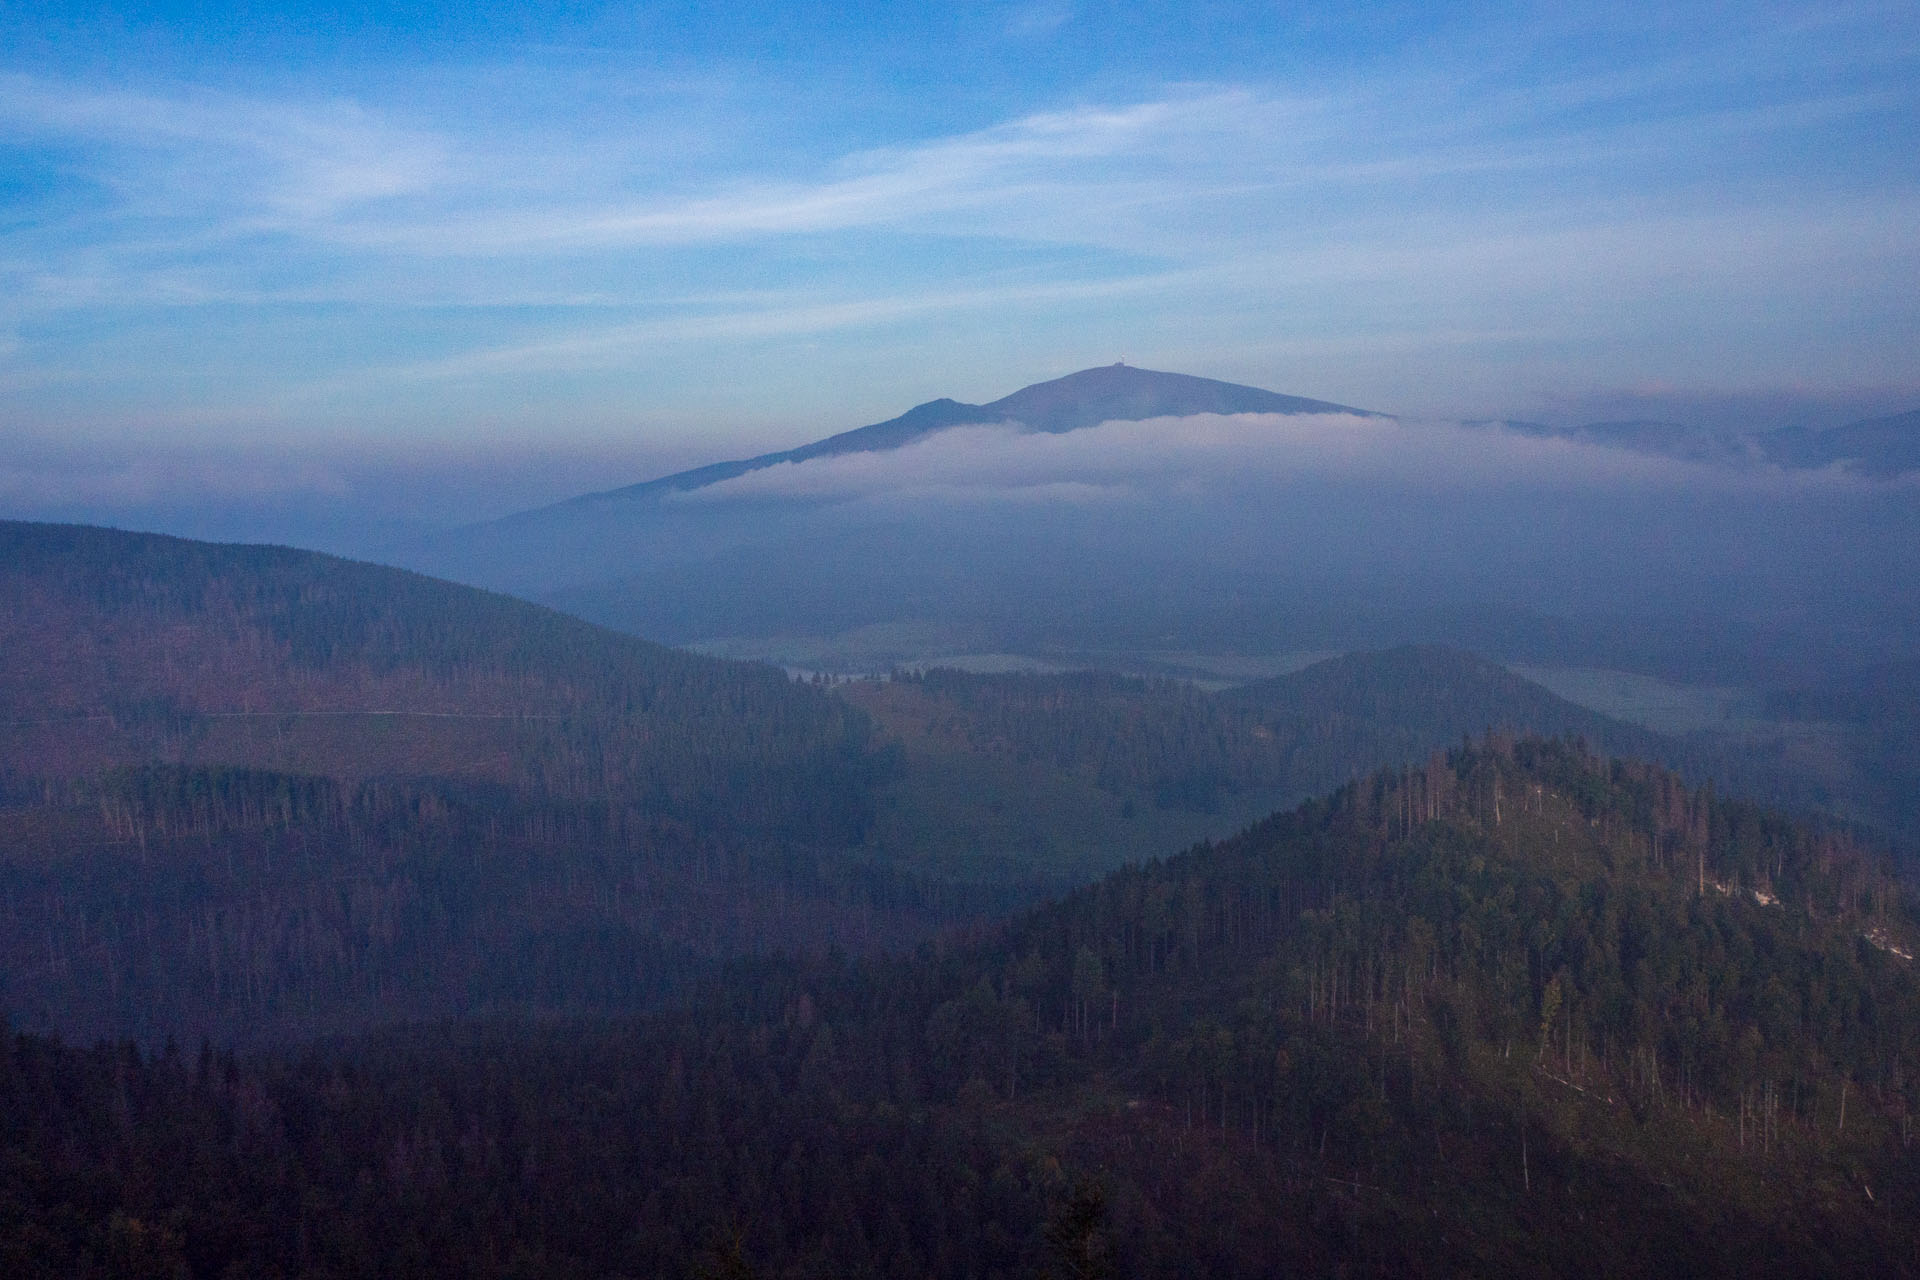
(1109, 393)
(1880, 448)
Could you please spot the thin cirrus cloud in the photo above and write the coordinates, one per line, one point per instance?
(896, 185)
(311, 170)
(211, 155)
(1113, 174)
(1551, 273)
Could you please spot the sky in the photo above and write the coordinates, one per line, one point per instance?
(348, 267)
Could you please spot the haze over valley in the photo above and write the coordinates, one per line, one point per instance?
(1119, 509)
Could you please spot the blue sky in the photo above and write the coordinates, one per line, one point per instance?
(430, 261)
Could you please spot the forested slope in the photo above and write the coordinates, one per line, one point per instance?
(1522, 1010)
(1311, 730)
(257, 793)
(252, 791)
(1075, 773)
(120, 648)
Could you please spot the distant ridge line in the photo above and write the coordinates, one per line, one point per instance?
(1110, 393)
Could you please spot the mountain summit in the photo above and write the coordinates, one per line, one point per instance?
(1111, 393)
(1121, 393)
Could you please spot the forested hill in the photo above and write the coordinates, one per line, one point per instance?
(1087, 769)
(121, 648)
(1431, 689)
(251, 790)
(1399, 704)
(1521, 1010)
(1305, 732)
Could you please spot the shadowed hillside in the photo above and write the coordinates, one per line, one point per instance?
(1518, 1011)
(122, 648)
(249, 787)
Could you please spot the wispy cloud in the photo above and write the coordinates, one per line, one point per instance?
(1544, 281)
(769, 317)
(1121, 174)
(1043, 156)
(198, 150)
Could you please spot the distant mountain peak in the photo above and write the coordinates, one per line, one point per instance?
(1124, 393)
(1118, 392)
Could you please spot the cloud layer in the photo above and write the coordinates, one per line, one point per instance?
(1238, 458)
